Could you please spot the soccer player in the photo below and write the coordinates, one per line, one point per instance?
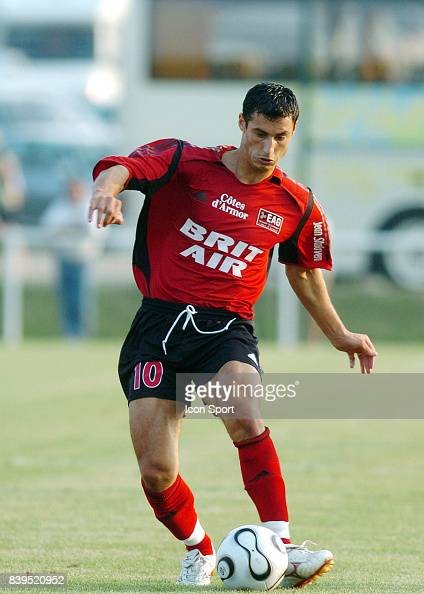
(205, 236)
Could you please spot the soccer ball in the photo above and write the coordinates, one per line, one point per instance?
(251, 557)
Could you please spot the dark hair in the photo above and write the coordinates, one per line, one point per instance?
(272, 100)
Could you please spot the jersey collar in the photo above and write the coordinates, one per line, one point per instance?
(276, 177)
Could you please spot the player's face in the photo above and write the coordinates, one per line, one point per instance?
(264, 142)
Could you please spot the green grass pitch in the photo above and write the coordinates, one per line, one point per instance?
(70, 499)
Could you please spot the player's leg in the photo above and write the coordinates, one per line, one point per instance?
(259, 463)
(155, 430)
(149, 383)
(262, 477)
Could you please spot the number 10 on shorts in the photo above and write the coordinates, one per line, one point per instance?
(150, 374)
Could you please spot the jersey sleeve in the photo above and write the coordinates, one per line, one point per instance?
(309, 246)
(151, 165)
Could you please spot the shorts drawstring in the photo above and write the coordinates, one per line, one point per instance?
(190, 311)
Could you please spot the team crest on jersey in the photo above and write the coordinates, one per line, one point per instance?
(269, 220)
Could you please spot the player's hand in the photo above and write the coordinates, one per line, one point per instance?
(108, 207)
(359, 345)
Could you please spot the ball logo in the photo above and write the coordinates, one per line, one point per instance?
(269, 220)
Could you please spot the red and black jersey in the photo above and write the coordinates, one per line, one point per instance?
(205, 238)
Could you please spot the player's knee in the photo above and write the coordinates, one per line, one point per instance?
(242, 429)
(234, 370)
(157, 475)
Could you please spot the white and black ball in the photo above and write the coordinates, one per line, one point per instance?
(251, 557)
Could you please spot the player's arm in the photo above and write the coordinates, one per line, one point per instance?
(309, 285)
(146, 169)
(104, 199)
(305, 253)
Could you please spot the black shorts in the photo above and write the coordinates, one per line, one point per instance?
(145, 370)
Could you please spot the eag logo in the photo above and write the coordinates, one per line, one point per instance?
(269, 220)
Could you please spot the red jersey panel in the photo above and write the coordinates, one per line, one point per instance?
(205, 238)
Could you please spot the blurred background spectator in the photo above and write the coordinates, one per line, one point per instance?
(11, 184)
(75, 246)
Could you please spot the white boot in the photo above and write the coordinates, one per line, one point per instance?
(196, 569)
(305, 566)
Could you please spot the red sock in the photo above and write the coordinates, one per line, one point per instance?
(261, 472)
(204, 546)
(174, 507)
